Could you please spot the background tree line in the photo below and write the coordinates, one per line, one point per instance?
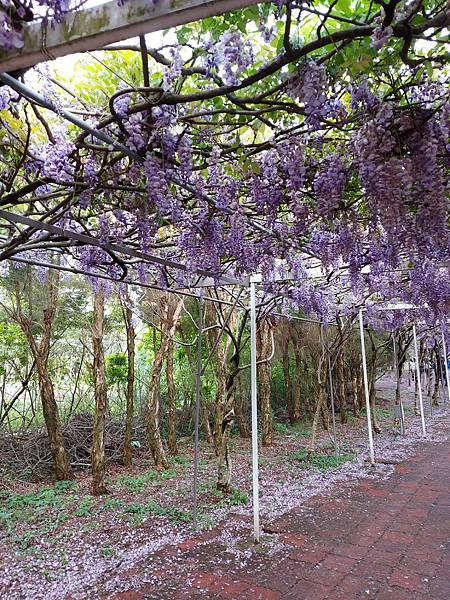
(91, 375)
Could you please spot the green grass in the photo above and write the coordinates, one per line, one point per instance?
(180, 460)
(168, 474)
(137, 511)
(324, 462)
(107, 551)
(43, 511)
(85, 507)
(235, 498)
(282, 428)
(138, 482)
(384, 413)
(34, 506)
(112, 504)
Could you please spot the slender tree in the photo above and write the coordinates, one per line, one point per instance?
(170, 310)
(264, 339)
(131, 342)
(39, 343)
(101, 400)
(171, 402)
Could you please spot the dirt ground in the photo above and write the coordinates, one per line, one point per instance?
(59, 542)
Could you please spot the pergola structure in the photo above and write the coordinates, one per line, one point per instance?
(99, 26)
(251, 285)
(103, 25)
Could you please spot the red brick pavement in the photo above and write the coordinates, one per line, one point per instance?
(383, 540)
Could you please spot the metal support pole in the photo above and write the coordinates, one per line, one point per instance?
(397, 379)
(419, 383)
(366, 388)
(198, 383)
(444, 350)
(254, 402)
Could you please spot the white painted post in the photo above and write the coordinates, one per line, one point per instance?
(419, 383)
(366, 388)
(254, 402)
(444, 350)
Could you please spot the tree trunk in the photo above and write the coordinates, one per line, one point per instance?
(168, 325)
(437, 377)
(101, 400)
(221, 370)
(171, 403)
(241, 417)
(309, 388)
(224, 458)
(397, 388)
(342, 397)
(127, 458)
(223, 455)
(63, 469)
(320, 388)
(297, 391)
(40, 352)
(286, 372)
(372, 393)
(206, 424)
(265, 392)
(354, 368)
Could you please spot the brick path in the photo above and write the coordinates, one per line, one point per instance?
(371, 539)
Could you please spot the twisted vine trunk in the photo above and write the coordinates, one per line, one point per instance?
(371, 369)
(171, 403)
(222, 409)
(285, 338)
(224, 465)
(224, 417)
(265, 373)
(437, 376)
(63, 469)
(101, 399)
(127, 457)
(239, 409)
(40, 351)
(341, 394)
(171, 314)
(320, 406)
(206, 424)
(297, 391)
(354, 370)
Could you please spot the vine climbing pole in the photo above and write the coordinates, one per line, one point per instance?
(397, 378)
(366, 388)
(444, 351)
(254, 279)
(419, 383)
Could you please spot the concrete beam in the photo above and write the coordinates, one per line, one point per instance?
(93, 28)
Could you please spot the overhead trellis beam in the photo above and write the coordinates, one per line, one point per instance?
(104, 276)
(93, 28)
(107, 246)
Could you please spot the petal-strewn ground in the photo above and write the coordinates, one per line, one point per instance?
(342, 531)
